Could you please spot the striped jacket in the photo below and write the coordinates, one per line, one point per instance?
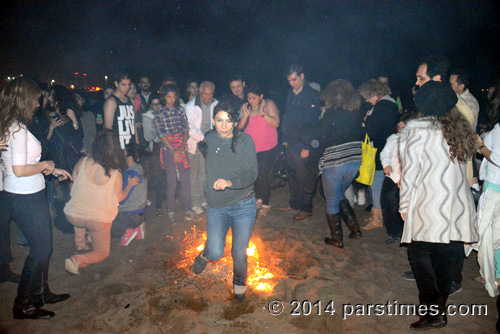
(434, 192)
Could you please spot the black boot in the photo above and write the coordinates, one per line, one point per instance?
(498, 309)
(44, 295)
(348, 216)
(24, 306)
(6, 275)
(336, 231)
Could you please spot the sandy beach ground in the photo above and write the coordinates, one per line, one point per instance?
(147, 288)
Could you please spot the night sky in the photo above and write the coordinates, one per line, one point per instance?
(354, 40)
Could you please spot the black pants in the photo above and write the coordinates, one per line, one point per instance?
(5, 253)
(300, 179)
(265, 162)
(389, 201)
(433, 265)
(31, 214)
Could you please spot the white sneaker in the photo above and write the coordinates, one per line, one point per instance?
(361, 197)
(71, 265)
(197, 210)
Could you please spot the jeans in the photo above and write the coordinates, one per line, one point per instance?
(198, 176)
(240, 217)
(5, 253)
(265, 162)
(299, 177)
(124, 221)
(389, 201)
(171, 172)
(433, 264)
(378, 180)
(336, 180)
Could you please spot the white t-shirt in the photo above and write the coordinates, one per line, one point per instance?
(23, 149)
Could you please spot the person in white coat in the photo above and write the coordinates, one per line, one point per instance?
(199, 112)
(435, 200)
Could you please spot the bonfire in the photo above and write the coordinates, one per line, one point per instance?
(262, 276)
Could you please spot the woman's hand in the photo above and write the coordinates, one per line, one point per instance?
(49, 167)
(133, 181)
(479, 141)
(222, 184)
(3, 145)
(387, 170)
(245, 110)
(61, 174)
(178, 156)
(54, 123)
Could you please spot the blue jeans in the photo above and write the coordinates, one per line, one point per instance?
(240, 217)
(335, 182)
(378, 181)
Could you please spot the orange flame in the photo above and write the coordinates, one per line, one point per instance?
(262, 274)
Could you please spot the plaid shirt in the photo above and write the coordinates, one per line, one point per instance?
(170, 121)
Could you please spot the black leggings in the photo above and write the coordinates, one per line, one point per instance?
(265, 162)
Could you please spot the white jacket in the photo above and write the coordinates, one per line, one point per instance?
(434, 194)
(194, 114)
(389, 156)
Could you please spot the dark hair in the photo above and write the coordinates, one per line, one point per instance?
(164, 90)
(294, 68)
(233, 116)
(463, 77)
(407, 116)
(16, 103)
(494, 107)
(340, 94)
(106, 151)
(255, 89)
(134, 150)
(64, 99)
(235, 77)
(121, 75)
(437, 65)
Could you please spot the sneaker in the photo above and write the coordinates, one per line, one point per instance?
(455, 288)
(389, 240)
(239, 292)
(129, 235)
(158, 213)
(197, 210)
(408, 275)
(171, 217)
(200, 263)
(141, 231)
(191, 216)
(204, 205)
(71, 265)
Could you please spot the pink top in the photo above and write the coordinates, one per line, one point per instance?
(91, 201)
(264, 136)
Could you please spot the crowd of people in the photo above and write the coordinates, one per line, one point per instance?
(94, 171)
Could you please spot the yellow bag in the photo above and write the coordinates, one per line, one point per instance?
(367, 168)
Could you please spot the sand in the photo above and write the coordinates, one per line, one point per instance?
(147, 288)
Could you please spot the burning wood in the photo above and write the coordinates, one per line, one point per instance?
(262, 272)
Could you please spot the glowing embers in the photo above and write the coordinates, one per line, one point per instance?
(263, 270)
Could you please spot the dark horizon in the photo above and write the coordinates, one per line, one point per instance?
(210, 40)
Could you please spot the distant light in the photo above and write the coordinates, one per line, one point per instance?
(72, 86)
(76, 73)
(84, 74)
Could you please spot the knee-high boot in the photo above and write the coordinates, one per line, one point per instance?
(44, 295)
(336, 231)
(348, 216)
(24, 306)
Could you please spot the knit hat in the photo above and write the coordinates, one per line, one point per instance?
(435, 98)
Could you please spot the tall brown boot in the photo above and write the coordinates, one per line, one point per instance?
(335, 230)
(348, 216)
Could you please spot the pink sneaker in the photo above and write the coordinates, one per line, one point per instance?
(141, 231)
(129, 235)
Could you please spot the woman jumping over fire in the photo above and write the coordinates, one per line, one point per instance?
(231, 165)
